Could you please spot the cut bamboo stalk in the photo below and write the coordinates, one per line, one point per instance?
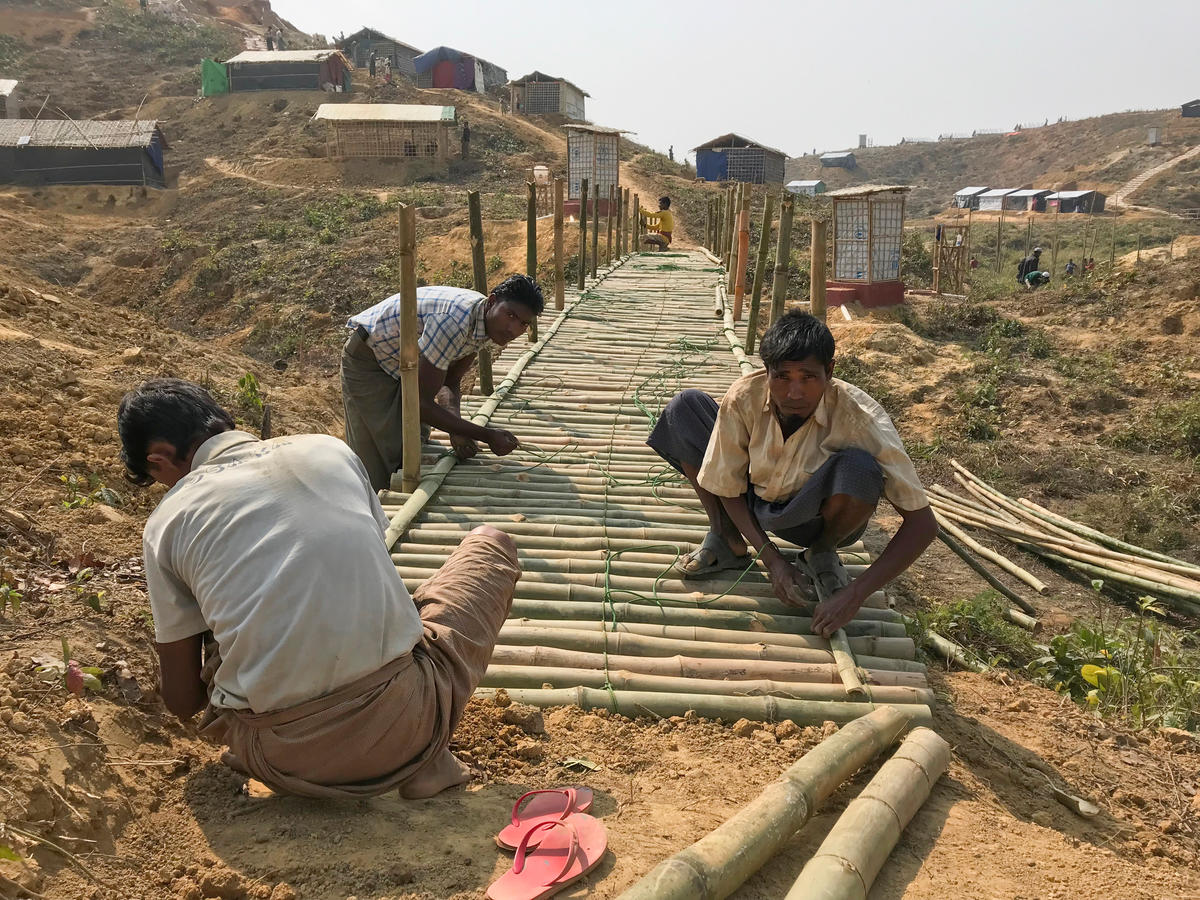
(531, 250)
(1185, 601)
(583, 216)
(698, 667)
(816, 293)
(410, 392)
(559, 287)
(760, 272)
(531, 676)
(716, 865)
(849, 859)
(743, 257)
(595, 230)
(783, 253)
(479, 275)
(949, 650)
(961, 552)
(710, 706)
(739, 192)
(608, 242)
(843, 658)
(1003, 562)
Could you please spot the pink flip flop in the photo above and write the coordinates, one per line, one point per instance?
(546, 806)
(569, 849)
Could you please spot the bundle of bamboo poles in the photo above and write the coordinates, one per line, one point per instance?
(1060, 540)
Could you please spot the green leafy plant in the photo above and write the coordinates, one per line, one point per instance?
(978, 624)
(84, 591)
(82, 492)
(249, 395)
(75, 677)
(10, 598)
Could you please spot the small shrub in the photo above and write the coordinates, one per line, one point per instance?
(1167, 428)
(978, 624)
(163, 38)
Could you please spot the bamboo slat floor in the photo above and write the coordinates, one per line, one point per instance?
(599, 520)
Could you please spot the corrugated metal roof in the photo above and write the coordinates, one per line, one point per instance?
(1030, 192)
(536, 76)
(971, 191)
(865, 190)
(274, 56)
(7, 86)
(384, 112)
(597, 129)
(837, 154)
(65, 133)
(728, 140)
(998, 192)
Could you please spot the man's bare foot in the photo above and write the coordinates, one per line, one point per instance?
(442, 772)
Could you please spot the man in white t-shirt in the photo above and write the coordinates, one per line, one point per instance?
(330, 680)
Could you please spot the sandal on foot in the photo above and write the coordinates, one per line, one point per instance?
(716, 550)
(826, 571)
(568, 850)
(545, 806)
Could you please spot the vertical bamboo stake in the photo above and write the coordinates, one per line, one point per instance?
(1138, 259)
(559, 287)
(531, 246)
(783, 253)
(628, 244)
(595, 229)
(735, 217)
(743, 257)
(1054, 252)
(816, 288)
(999, 228)
(1028, 235)
(938, 244)
(708, 216)
(969, 212)
(479, 271)
(583, 199)
(636, 223)
(760, 271)
(410, 393)
(1112, 245)
(718, 226)
(608, 247)
(620, 222)
(730, 212)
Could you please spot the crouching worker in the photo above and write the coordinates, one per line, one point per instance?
(660, 226)
(328, 679)
(793, 451)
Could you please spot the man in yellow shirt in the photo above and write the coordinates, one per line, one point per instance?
(794, 451)
(661, 224)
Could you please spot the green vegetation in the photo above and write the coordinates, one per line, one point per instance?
(82, 492)
(169, 41)
(331, 218)
(11, 53)
(978, 624)
(1171, 427)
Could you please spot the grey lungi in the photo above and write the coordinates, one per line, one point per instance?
(371, 398)
(682, 434)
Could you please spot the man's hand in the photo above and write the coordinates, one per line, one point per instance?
(501, 442)
(464, 448)
(836, 612)
(787, 582)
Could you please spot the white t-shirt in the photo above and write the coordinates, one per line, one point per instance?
(277, 548)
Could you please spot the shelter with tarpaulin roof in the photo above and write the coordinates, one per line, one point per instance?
(594, 153)
(839, 159)
(10, 104)
(387, 130)
(968, 197)
(1027, 200)
(1076, 201)
(732, 157)
(1190, 110)
(445, 67)
(993, 200)
(284, 70)
(808, 187)
(539, 94)
(868, 230)
(360, 46)
(50, 151)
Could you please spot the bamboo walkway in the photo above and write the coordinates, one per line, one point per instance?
(598, 619)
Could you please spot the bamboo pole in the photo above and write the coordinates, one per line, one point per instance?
(583, 214)
(531, 248)
(608, 242)
(1054, 252)
(731, 209)
(849, 859)
(743, 257)
(760, 271)
(626, 245)
(559, 287)
(783, 254)
(533, 676)
(1002, 561)
(719, 228)
(731, 250)
(816, 292)
(999, 229)
(479, 273)
(716, 865)
(410, 357)
(961, 552)
(595, 231)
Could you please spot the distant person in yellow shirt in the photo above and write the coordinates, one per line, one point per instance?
(660, 225)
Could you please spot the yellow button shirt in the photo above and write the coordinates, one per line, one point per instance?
(664, 218)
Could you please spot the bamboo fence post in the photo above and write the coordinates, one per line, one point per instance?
(608, 242)
(583, 199)
(1054, 251)
(727, 230)
(718, 226)
(595, 230)
(816, 272)
(743, 258)
(531, 245)
(708, 220)
(410, 357)
(559, 287)
(717, 864)
(848, 860)
(1112, 245)
(731, 253)
(999, 229)
(626, 242)
(479, 273)
(760, 271)
(636, 223)
(783, 253)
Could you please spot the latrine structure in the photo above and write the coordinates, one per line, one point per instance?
(732, 157)
(868, 230)
(539, 94)
(387, 130)
(593, 153)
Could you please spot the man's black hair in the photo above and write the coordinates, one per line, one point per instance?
(521, 289)
(664, 202)
(795, 337)
(166, 409)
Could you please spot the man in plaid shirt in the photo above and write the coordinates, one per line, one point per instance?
(455, 324)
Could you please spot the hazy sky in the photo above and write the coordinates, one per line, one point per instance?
(803, 75)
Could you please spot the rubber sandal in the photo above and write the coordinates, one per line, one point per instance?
(543, 806)
(826, 571)
(723, 558)
(568, 850)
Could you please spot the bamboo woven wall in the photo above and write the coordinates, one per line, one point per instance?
(411, 140)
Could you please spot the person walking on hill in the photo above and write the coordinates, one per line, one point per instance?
(1031, 263)
(387, 70)
(277, 608)
(1070, 268)
(270, 39)
(794, 451)
(455, 324)
(371, 66)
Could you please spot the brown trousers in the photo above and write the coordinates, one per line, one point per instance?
(371, 399)
(376, 733)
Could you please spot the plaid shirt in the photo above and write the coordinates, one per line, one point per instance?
(451, 327)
